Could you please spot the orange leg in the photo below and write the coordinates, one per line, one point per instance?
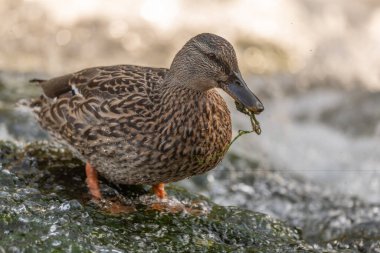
(92, 182)
(159, 190)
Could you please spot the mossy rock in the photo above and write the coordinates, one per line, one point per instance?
(44, 206)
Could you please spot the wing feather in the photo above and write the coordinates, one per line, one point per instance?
(103, 101)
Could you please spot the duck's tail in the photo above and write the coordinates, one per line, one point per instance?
(37, 81)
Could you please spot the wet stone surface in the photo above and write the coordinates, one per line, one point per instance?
(326, 218)
(44, 206)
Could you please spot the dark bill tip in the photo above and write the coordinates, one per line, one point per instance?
(238, 90)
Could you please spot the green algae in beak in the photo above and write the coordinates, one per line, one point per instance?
(254, 122)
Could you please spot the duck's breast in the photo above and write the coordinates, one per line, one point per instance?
(195, 138)
(189, 137)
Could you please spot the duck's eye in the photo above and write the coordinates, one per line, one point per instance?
(212, 56)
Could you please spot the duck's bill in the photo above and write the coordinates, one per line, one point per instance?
(246, 102)
(239, 91)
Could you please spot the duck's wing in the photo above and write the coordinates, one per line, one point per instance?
(105, 82)
(107, 102)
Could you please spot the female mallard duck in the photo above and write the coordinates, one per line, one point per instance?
(143, 125)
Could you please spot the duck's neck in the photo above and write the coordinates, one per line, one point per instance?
(175, 94)
(179, 100)
(179, 85)
(182, 80)
(200, 120)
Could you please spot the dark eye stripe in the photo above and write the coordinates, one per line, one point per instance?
(225, 66)
(220, 62)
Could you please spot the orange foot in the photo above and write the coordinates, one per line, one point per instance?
(92, 182)
(159, 190)
(114, 207)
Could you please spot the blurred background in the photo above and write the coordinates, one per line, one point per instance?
(315, 64)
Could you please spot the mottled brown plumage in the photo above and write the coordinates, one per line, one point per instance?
(143, 125)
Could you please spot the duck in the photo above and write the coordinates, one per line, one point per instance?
(138, 125)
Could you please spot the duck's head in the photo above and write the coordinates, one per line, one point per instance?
(208, 61)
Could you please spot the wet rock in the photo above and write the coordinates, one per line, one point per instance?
(326, 218)
(44, 206)
(364, 237)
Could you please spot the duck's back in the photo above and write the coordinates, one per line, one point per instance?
(98, 105)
